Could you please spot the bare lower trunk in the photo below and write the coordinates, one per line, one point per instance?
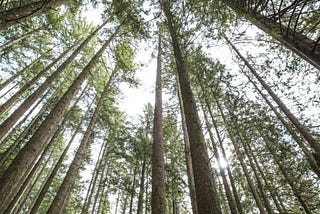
(158, 198)
(190, 175)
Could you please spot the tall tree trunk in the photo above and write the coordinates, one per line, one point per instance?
(12, 119)
(117, 202)
(31, 171)
(261, 187)
(31, 189)
(59, 202)
(231, 203)
(265, 180)
(190, 175)
(305, 47)
(133, 191)
(158, 198)
(57, 166)
(313, 143)
(207, 197)
(35, 120)
(28, 154)
(23, 13)
(142, 183)
(101, 183)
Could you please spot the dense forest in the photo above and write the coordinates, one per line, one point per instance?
(233, 127)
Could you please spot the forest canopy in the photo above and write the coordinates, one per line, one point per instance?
(232, 126)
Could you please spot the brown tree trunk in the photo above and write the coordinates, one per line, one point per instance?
(207, 197)
(132, 192)
(260, 186)
(313, 143)
(11, 177)
(18, 39)
(231, 203)
(93, 180)
(4, 156)
(190, 175)
(32, 170)
(265, 180)
(142, 183)
(14, 117)
(158, 197)
(23, 13)
(59, 202)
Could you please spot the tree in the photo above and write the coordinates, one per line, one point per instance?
(207, 200)
(158, 177)
(11, 177)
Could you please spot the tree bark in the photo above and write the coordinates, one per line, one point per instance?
(232, 182)
(207, 197)
(227, 190)
(23, 13)
(190, 175)
(31, 171)
(142, 183)
(158, 197)
(93, 181)
(18, 39)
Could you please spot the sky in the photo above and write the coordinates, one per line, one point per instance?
(134, 99)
